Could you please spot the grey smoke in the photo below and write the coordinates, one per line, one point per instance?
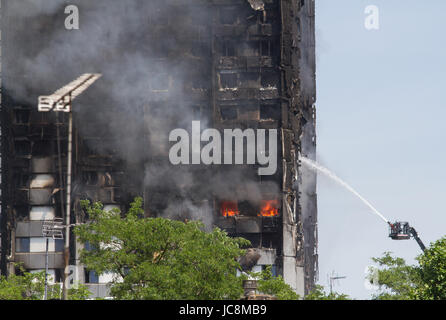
(32, 8)
(113, 40)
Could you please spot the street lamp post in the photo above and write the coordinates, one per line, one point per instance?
(51, 229)
(60, 101)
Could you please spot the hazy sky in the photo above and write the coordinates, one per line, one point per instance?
(381, 127)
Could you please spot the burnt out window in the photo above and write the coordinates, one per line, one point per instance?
(250, 80)
(270, 79)
(228, 15)
(228, 112)
(90, 178)
(22, 148)
(21, 116)
(46, 117)
(228, 80)
(200, 82)
(42, 148)
(20, 180)
(270, 112)
(251, 48)
(90, 148)
(228, 49)
(106, 195)
(21, 211)
(265, 48)
(249, 112)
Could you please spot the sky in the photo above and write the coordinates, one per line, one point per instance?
(381, 110)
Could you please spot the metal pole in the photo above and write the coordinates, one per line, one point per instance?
(68, 205)
(332, 279)
(46, 270)
(331, 285)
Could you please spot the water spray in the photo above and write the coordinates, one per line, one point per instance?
(398, 230)
(317, 167)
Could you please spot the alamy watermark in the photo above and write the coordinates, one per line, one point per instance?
(72, 20)
(188, 148)
(371, 21)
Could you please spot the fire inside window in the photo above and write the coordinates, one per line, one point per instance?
(229, 209)
(267, 208)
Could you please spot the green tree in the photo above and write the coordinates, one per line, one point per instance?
(432, 272)
(318, 293)
(156, 258)
(427, 280)
(81, 292)
(31, 286)
(275, 286)
(396, 279)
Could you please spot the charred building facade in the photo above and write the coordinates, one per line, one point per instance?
(230, 64)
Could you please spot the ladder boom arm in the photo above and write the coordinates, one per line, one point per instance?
(417, 238)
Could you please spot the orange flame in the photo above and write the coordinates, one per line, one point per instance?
(229, 209)
(269, 208)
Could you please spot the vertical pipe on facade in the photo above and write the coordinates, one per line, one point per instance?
(68, 205)
(46, 269)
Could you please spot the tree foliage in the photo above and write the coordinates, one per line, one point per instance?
(432, 272)
(396, 279)
(275, 286)
(156, 258)
(31, 286)
(319, 293)
(426, 281)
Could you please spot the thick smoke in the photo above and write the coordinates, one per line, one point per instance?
(125, 105)
(32, 8)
